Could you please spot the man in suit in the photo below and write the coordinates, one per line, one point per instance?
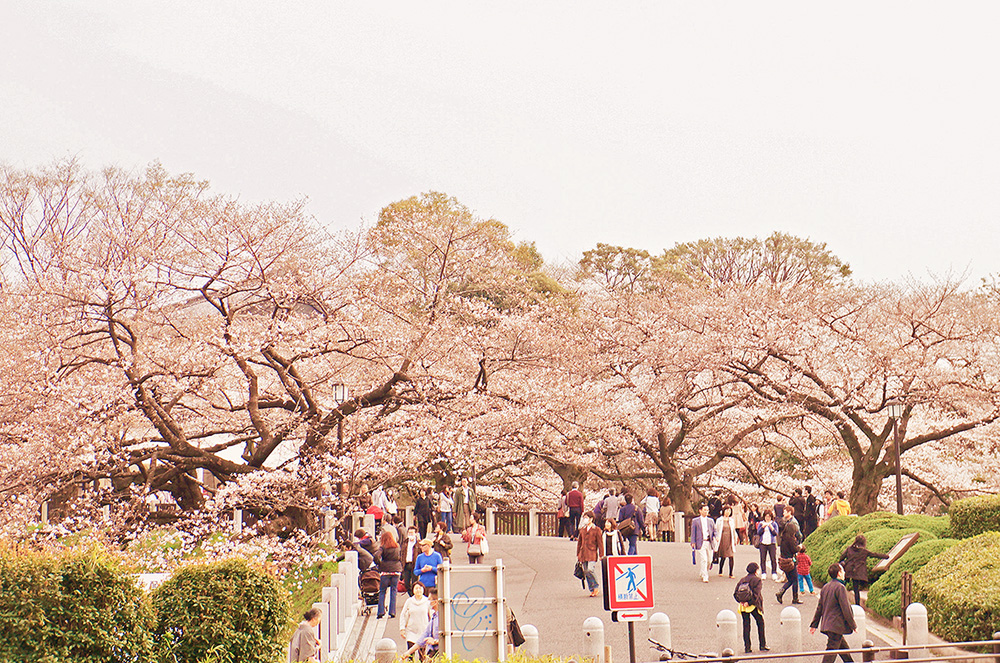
(465, 504)
(834, 615)
(702, 531)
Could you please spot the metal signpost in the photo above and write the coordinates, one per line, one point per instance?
(628, 591)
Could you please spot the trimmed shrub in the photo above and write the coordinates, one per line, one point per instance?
(226, 611)
(975, 515)
(961, 589)
(80, 606)
(884, 595)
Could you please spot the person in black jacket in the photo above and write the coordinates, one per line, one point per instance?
(753, 608)
(855, 562)
(390, 565)
(834, 615)
(812, 513)
(788, 548)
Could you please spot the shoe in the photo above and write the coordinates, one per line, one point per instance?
(747, 650)
(730, 575)
(765, 648)
(704, 579)
(794, 601)
(774, 576)
(392, 616)
(595, 592)
(778, 596)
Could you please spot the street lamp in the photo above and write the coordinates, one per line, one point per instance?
(895, 410)
(341, 394)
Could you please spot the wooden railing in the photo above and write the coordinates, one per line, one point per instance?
(512, 522)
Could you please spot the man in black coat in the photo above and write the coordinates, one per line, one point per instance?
(812, 513)
(798, 504)
(752, 608)
(834, 616)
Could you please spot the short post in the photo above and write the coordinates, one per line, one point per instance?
(385, 650)
(996, 647)
(323, 633)
(369, 521)
(726, 631)
(593, 639)
(491, 520)
(679, 527)
(530, 646)
(106, 512)
(867, 656)
(917, 632)
(791, 629)
(659, 629)
(238, 521)
(408, 517)
(860, 634)
(728, 653)
(45, 514)
(533, 522)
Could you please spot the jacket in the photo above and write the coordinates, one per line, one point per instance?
(855, 562)
(414, 618)
(833, 612)
(788, 544)
(303, 645)
(388, 560)
(633, 512)
(756, 586)
(588, 544)
(698, 537)
(802, 564)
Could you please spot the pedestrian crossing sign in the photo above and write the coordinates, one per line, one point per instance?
(628, 582)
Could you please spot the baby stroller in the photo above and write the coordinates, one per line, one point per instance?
(370, 581)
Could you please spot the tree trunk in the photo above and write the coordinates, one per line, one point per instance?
(865, 487)
(568, 472)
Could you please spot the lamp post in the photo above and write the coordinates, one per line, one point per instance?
(341, 394)
(895, 409)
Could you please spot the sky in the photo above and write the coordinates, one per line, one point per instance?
(872, 127)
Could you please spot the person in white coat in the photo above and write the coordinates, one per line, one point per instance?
(414, 616)
(725, 538)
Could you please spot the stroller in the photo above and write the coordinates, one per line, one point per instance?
(370, 581)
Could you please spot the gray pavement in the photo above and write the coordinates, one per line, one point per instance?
(542, 591)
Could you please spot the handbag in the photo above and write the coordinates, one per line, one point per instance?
(786, 564)
(756, 541)
(626, 527)
(484, 545)
(401, 586)
(475, 550)
(514, 631)
(578, 571)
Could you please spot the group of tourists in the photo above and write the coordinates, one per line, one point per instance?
(650, 517)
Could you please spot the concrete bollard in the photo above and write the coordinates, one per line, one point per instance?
(679, 527)
(238, 521)
(45, 514)
(491, 521)
(856, 639)
(385, 650)
(593, 639)
(530, 646)
(791, 629)
(659, 629)
(727, 631)
(533, 522)
(917, 632)
(868, 655)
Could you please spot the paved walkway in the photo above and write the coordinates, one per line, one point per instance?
(542, 591)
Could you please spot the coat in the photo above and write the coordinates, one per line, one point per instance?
(303, 646)
(756, 586)
(698, 537)
(388, 560)
(589, 546)
(855, 562)
(717, 539)
(833, 612)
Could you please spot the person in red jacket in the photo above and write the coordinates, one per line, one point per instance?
(574, 501)
(589, 550)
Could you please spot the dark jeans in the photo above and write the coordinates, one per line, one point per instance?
(835, 641)
(408, 578)
(632, 543)
(574, 521)
(449, 520)
(564, 529)
(758, 617)
(769, 550)
(793, 582)
(387, 585)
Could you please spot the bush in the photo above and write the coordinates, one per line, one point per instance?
(228, 611)
(975, 515)
(884, 595)
(80, 606)
(961, 589)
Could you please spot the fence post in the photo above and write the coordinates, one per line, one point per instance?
(860, 634)
(659, 629)
(916, 629)
(237, 520)
(593, 639)
(533, 527)
(791, 629)
(996, 646)
(408, 517)
(385, 650)
(491, 521)
(867, 656)
(530, 646)
(679, 527)
(725, 623)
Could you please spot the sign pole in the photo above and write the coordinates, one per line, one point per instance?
(631, 642)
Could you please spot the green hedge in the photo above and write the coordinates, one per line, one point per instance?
(975, 515)
(961, 589)
(884, 594)
(226, 612)
(80, 606)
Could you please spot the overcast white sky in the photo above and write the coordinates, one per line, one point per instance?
(872, 126)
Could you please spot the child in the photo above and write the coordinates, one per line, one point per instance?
(802, 566)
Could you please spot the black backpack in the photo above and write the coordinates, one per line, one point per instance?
(743, 593)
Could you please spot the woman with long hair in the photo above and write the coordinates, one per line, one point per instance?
(390, 565)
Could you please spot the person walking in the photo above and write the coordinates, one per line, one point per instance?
(767, 530)
(740, 518)
(798, 506)
(841, 507)
(423, 511)
(854, 559)
(446, 506)
(803, 564)
(724, 541)
(834, 616)
(389, 567)
(430, 640)
(612, 504)
(414, 616)
(651, 513)
(562, 514)
(750, 597)
(812, 513)
(410, 548)
(613, 544)
(442, 542)
(574, 500)
(589, 550)
(475, 536)
(426, 566)
(788, 548)
(465, 504)
(305, 644)
(702, 532)
(666, 526)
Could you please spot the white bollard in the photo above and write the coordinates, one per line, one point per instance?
(679, 526)
(593, 639)
(854, 640)
(385, 650)
(659, 629)
(45, 514)
(237, 521)
(369, 521)
(491, 521)
(532, 522)
(727, 631)
(530, 646)
(916, 629)
(791, 629)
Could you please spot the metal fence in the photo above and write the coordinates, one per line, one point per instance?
(871, 653)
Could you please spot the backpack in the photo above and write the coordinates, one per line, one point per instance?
(743, 593)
